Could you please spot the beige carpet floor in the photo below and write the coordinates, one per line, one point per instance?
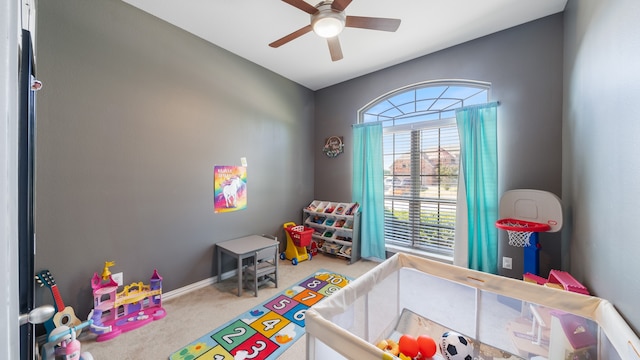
(196, 313)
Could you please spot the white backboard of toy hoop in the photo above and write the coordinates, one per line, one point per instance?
(532, 205)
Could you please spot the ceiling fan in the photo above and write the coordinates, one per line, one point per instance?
(328, 19)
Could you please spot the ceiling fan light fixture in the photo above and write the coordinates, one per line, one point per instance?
(328, 19)
(327, 23)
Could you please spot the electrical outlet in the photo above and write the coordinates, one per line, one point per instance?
(119, 278)
(506, 262)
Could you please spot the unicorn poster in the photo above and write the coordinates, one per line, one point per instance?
(229, 188)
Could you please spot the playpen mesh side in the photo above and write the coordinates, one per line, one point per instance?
(374, 316)
(346, 325)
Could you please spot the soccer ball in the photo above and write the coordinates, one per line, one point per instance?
(454, 346)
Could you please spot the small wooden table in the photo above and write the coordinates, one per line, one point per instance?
(242, 248)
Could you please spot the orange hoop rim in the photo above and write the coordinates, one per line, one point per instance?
(521, 225)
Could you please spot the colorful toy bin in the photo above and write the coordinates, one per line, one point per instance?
(502, 317)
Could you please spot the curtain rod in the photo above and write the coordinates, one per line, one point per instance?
(497, 103)
(492, 103)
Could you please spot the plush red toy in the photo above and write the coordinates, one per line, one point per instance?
(427, 346)
(408, 346)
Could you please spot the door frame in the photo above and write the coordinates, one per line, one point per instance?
(9, 324)
(26, 192)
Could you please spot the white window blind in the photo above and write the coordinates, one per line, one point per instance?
(421, 188)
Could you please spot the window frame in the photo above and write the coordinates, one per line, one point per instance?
(411, 127)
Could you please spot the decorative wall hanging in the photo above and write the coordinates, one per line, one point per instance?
(333, 146)
(229, 188)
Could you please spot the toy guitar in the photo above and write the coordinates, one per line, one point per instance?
(65, 314)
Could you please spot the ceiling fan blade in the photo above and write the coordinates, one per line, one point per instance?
(340, 5)
(294, 35)
(302, 5)
(334, 48)
(382, 24)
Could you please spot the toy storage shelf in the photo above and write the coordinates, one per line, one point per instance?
(336, 228)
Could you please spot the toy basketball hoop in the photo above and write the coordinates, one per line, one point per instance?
(520, 231)
(523, 215)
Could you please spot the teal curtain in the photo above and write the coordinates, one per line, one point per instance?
(368, 188)
(477, 126)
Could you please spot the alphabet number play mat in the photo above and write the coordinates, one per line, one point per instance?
(266, 331)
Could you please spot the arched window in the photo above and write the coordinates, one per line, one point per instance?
(421, 151)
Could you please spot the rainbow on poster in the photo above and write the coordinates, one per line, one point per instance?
(229, 188)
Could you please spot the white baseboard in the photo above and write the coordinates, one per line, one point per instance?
(195, 286)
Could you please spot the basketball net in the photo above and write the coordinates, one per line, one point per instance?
(520, 231)
(519, 238)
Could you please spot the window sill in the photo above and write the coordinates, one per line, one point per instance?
(397, 249)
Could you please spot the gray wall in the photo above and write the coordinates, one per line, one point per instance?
(133, 116)
(600, 149)
(524, 66)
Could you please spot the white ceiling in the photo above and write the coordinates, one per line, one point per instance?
(246, 27)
